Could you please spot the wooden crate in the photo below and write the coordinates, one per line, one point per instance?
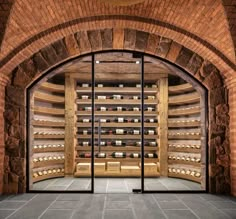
(149, 167)
(130, 170)
(113, 167)
(83, 168)
(99, 167)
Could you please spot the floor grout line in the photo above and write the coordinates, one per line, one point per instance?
(69, 185)
(105, 202)
(159, 207)
(21, 207)
(48, 207)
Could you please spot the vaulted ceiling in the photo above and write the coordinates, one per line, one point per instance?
(213, 21)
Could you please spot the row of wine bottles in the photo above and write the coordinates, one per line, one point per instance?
(118, 143)
(116, 97)
(117, 108)
(119, 120)
(118, 85)
(117, 132)
(118, 155)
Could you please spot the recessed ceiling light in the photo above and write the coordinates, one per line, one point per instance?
(137, 62)
(97, 62)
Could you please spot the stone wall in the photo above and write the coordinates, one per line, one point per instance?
(85, 42)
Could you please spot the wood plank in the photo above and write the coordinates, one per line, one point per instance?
(118, 136)
(47, 136)
(43, 150)
(185, 137)
(47, 123)
(184, 163)
(127, 159)
(115, 113)
(47, 163)
(180, 88)
(117, 124)
(115, 90)
(116, 148)
(116, 102)
(163, 126)
(48, 111)
(50, 98)
(184, 99)
(48, 176)
(70, 132)
(178, 112)
(184, 124)
(188, 177)
(52, 87)
(184, 150)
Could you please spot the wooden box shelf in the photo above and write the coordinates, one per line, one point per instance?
(47, 163)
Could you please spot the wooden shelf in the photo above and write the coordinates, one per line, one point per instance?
(118, 136)
(47, 123)
(184, 99)
(118, 174)
(39, 136)
(195, 164)
(185, 137)
(117, 124)
(48, 176)
(128, 159)
(116, 90)
(49, 98)
(43, 150)
(184, 124)
(184, 150)
(178, 112)
(183, 88)
(116, 113)
(116, 148)
(48, 111)
(183, 176)
(52, 87)
(47, 163)
(115, 102)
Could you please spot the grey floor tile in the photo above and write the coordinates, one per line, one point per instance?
(118, 205)
(22, 197)
(230, 212)
(211, 197)
(224, 204)
(155, 186)
(11, 204)
(65, 205)
(172, 205)
(87, 214)
(74, 197)
(56, 214)
(119, 214)
(165, 197)
(145, 207)
(179, 214)
(63, 182)
(34, 208)
(117, 197)
(5, 213)
(56, 188)
(3, 197)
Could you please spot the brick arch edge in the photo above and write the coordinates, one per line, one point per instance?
(84, 42)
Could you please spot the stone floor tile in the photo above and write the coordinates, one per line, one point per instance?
(179, 214)
(118, 205)
(56, 214)
(172, 205)
(5, 213)
(11, 204)
(119, 214)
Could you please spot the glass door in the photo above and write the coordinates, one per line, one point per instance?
(117, 117)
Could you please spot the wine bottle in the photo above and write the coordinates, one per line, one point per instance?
(102, 108)
(135, 109)
(135, 97)
(104, 132)
(135, 120)
(84, 97)
(104, 120)
(149, 98)
(120, 120)
(134, 132)
(87, 132)
(103, 143)
(87, 108)
(149, 109)
(149, 132)
(84, 143)
(85, 155)
(100, 155)
(134, 155)
(151, 120)
(117, 97)
(119, 132)
(118, 154)
(118, 143)
(138, 143)
(84, 120)
(151, 155)
(152, 143)
(101, 97)
(119, 108)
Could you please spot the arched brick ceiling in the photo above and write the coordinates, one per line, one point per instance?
(205, 19)
(5, 8)
(230, 8)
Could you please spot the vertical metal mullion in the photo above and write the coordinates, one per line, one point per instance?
(142, 123)
(92, 151)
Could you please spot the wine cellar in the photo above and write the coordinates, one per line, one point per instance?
(117, 116)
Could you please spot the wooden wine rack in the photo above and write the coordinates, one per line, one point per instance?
(47, 129)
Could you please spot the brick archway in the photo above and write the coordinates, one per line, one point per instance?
(84, 42)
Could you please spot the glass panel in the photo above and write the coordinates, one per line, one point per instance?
(174, 134)
(117, 122)
(60, 129)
